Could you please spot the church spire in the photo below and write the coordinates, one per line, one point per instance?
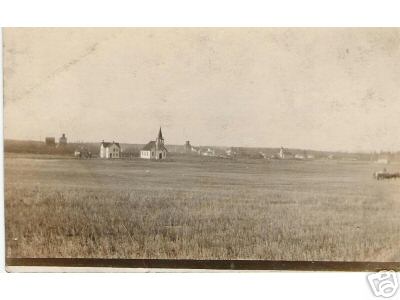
(160, 139)
(160, 134)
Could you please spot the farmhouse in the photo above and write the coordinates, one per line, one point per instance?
(110, 150)
(155, 149)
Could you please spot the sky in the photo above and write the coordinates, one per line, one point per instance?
(323, 89)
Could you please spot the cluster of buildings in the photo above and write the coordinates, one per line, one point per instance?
(112, 150)
(198, 150)
(152, 150)
(232, 152)
(156, 150)
(284, 154)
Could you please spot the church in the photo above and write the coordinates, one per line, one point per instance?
(155, 149)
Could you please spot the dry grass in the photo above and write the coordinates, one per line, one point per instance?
(209, 209)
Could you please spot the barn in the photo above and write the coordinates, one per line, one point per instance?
(155, 149)
(110, 150)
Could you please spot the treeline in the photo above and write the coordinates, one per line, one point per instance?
(36, 147)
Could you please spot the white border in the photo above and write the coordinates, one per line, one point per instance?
(207, 13)
(265, 285)
(117, 13)
(2, 217)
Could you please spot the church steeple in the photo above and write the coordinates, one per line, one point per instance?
(160, 139)
(160, 134)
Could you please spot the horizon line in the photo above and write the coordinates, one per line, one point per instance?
(224, 146)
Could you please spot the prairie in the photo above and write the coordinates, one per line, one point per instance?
(200, 208)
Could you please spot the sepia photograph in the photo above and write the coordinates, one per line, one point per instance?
(202, 148)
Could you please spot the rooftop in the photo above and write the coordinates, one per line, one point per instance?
(108, 144)
(152, 145)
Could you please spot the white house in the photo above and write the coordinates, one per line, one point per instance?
(155, 149)
(110, 150)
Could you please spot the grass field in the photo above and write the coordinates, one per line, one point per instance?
(201, 209)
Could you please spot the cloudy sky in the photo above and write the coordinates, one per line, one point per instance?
(327, 89)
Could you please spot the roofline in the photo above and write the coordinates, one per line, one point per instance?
(109, 144)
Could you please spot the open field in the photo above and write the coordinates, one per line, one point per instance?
(200, 208)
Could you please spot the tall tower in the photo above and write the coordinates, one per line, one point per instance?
(188, 147)
(159, 139)
(62, 140)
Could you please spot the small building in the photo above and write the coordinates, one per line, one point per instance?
(230, 152)
(155, 149)
(209, 152)
(196, 150)
(62, 141)
(82, 153)
(110, 150)
(50, 141)
(284, 154)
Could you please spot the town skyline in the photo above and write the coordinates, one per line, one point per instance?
(207, 145)
(317, 89)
